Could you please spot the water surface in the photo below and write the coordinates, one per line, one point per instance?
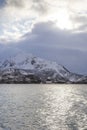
(43, 107)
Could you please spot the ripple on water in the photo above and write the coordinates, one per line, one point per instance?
(43, 107)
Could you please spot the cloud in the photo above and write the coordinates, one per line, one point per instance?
(81, 21)
(39, 6)
(51, 43)
(33, 26)
(46, 34)
(14, 12)
(15, 3)
(64, 47)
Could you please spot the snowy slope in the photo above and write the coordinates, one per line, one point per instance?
(28, 68)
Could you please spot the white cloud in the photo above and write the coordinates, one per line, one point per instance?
(18, 17)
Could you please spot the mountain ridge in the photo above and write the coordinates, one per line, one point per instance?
(26, 68)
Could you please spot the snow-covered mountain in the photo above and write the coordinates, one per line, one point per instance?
(26, 68)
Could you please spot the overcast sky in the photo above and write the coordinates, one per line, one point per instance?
(54, 30)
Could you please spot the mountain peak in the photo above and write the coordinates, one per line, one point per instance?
(22, 65)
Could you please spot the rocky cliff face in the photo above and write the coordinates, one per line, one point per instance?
(25, 68)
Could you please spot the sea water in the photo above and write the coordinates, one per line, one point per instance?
(43, 107)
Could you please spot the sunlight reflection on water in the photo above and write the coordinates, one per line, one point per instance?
(43, 107)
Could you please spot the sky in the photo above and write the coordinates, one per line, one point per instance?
(53, 30)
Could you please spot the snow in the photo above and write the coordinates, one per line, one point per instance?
(26, 61)
(23, 61)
